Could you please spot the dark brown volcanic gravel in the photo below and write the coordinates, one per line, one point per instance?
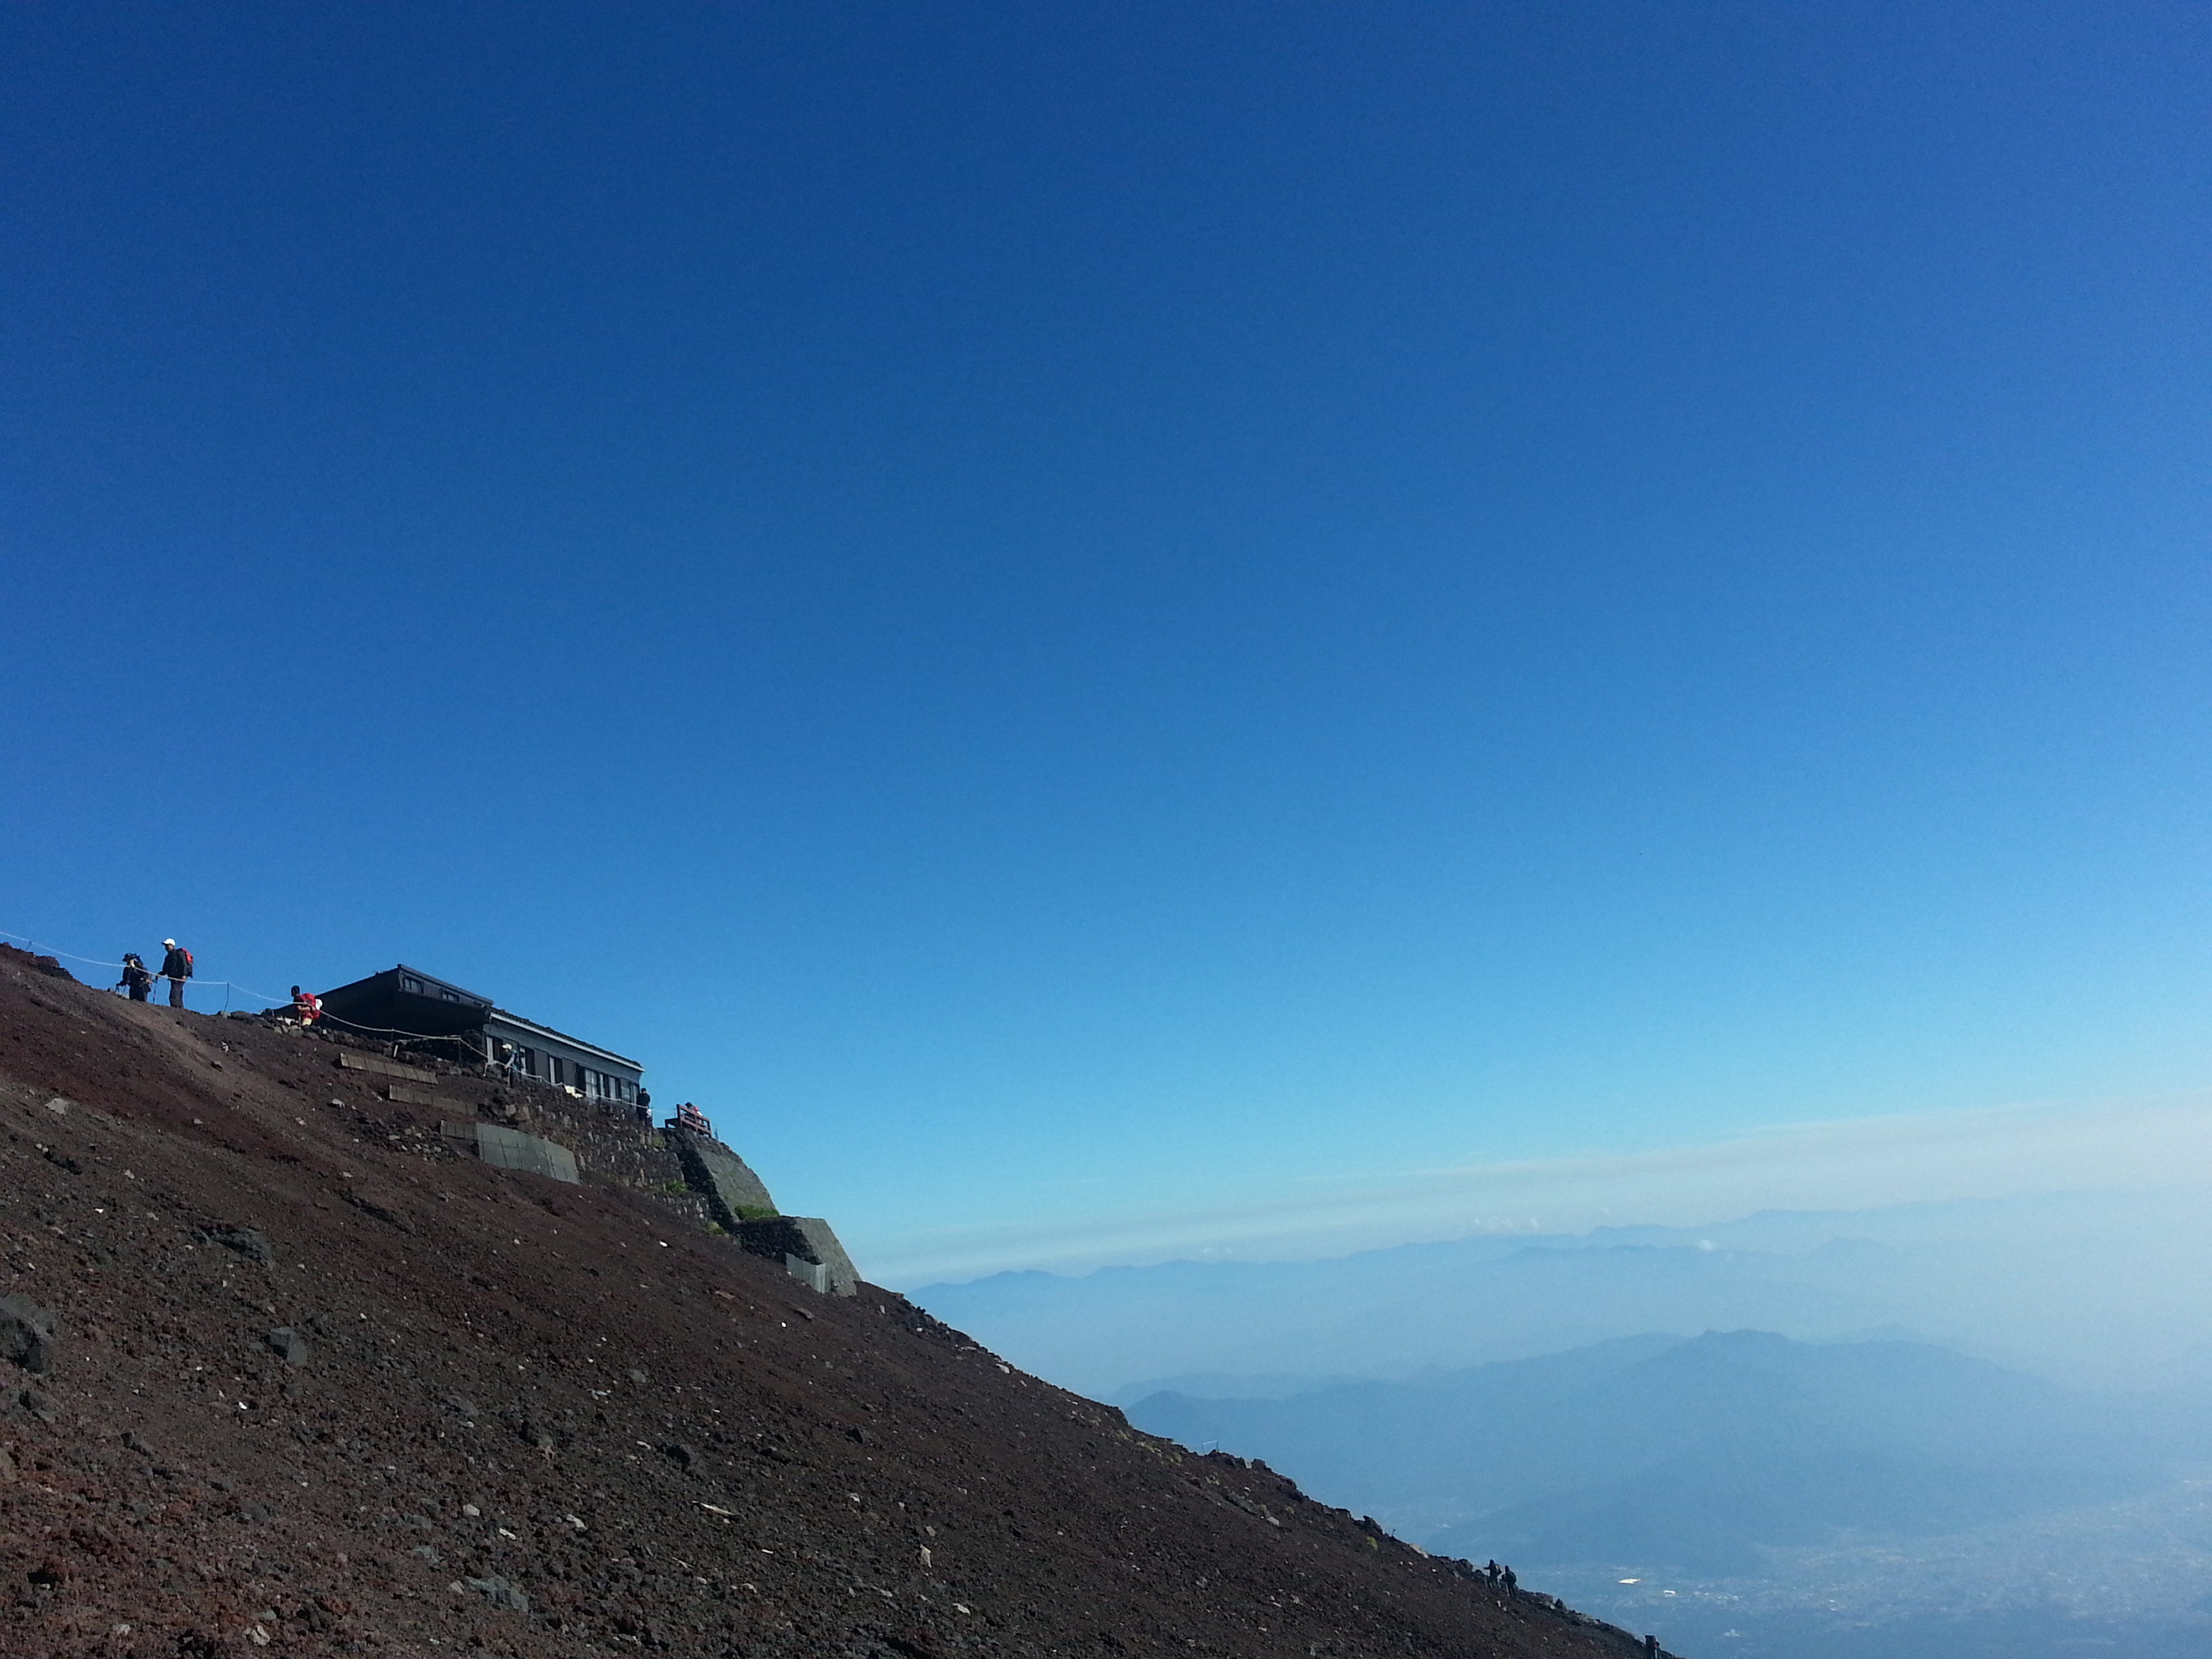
(534, 1419)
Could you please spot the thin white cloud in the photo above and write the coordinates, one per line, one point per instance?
(1857, 1163)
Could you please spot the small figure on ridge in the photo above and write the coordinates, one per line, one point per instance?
(306, 1007)
(136, 979)
(176, 968)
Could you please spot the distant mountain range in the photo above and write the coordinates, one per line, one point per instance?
(2102, 1289)
(1657, 1452)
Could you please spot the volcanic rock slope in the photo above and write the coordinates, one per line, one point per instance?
(280, 1372)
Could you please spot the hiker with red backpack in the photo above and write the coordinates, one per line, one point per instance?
(176, 968)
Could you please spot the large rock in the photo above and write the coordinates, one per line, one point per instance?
(733, 1192)
(27, 1333)
(805, 1239)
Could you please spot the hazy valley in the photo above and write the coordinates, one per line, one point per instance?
(1914, 1434)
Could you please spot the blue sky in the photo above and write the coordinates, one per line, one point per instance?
(1066, 613)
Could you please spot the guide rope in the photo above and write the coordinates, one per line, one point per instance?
(117, 962)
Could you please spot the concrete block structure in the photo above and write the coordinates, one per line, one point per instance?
(807, 1239)
(510, 1149)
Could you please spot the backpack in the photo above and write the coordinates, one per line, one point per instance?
(187, 956)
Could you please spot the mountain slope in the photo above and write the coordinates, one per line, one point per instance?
(283, 1373)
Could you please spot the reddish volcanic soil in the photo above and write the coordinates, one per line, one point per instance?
(499, 1412)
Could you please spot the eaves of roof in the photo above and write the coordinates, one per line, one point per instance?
(535, 1029)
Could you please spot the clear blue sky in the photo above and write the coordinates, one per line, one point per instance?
(1064, 611)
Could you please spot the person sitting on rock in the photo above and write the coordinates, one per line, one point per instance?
(306, 1007)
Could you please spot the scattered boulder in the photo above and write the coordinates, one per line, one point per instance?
(376, 1204)
(501, 1594)
(248, 1242)
(27, 1335)
(290, 1345)
(920, 1644)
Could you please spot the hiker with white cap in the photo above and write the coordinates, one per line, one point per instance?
(176, 968)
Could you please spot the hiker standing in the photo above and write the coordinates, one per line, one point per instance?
(135, 980)
(176, 968)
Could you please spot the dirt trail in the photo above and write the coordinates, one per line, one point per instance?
(314, 1382)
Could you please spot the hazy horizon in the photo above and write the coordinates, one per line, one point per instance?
(2095, 1289)
(1931, 1158)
